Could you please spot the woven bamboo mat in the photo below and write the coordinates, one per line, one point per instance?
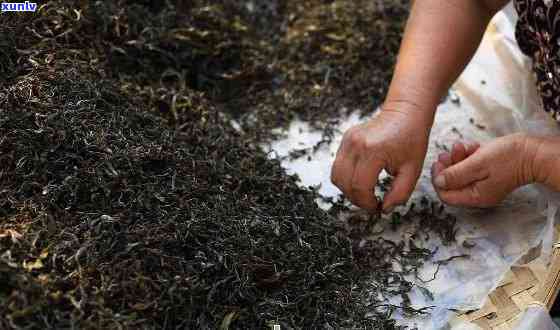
(520, 288)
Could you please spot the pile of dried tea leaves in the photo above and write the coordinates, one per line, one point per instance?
(128, 199)
(263, 63)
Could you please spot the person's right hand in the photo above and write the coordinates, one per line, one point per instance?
(394, 140)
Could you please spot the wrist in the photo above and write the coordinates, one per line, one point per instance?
(422, 114)
(545, 160)
(419, 100)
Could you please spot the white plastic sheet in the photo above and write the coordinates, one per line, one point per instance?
(497, 92)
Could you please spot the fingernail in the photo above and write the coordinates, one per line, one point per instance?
(440, 181)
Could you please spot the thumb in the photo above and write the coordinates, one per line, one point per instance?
(461, 174)
(403, 186)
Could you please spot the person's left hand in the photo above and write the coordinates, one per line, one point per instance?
(482, 176)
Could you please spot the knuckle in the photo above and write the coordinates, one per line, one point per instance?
(355, 139)
(370, 144)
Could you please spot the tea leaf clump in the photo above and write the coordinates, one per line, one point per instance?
(134, 193)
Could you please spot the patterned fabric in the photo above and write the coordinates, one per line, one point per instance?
(538, 36)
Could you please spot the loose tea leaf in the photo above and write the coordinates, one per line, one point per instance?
(134, 194)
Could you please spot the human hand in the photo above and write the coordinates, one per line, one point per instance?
(482, 176)
(395, 141)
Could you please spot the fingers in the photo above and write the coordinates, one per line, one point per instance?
(445, 159)
(461, 174)
(462, 150)
(365, 177)
(458, 152)
(461, 177)
(356, 170)
(470, 196)
(466, 197)
(471, 147)
(437, 168)
(458, 169)
(342, 171)
(403, 186)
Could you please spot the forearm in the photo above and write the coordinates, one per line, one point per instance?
(440, 39)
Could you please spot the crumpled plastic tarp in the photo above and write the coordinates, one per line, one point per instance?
(496, 91)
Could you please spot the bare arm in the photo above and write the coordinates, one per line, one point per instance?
(440, 39)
